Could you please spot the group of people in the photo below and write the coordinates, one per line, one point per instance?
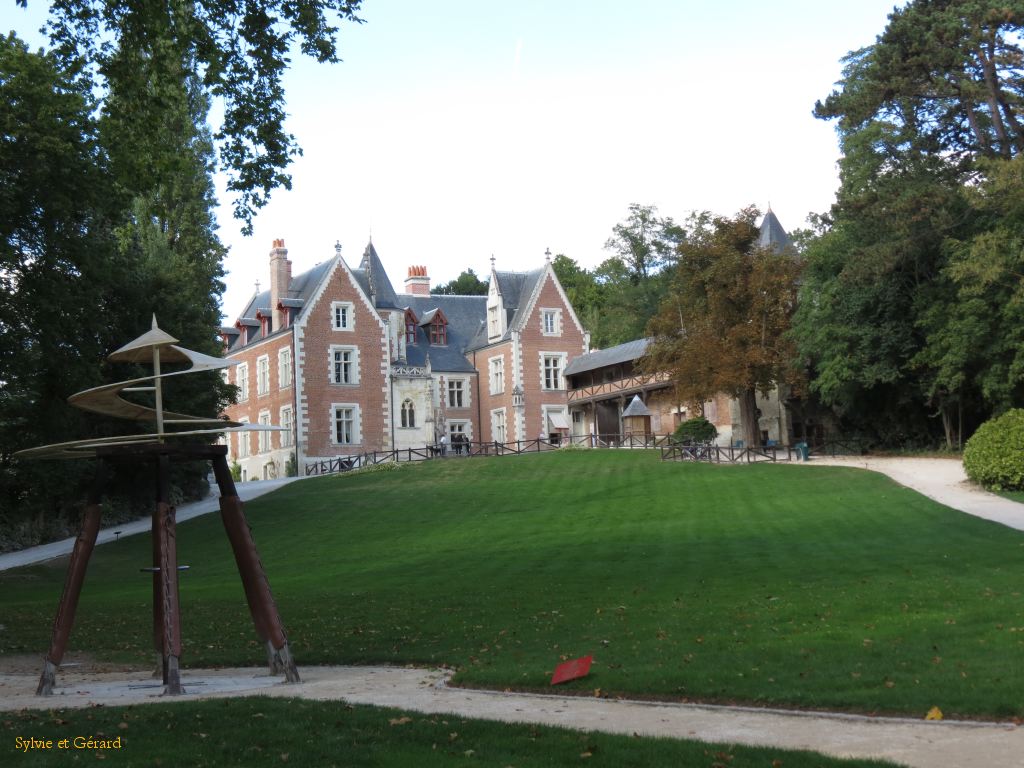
(459, 442)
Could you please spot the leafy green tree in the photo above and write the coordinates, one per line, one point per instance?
(943, 77)
(58, 262)
(644, 242)
(235, 51)
(902, 334)
(723, 326)
(466, 284)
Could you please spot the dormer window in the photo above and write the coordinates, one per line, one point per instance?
(436, 325)
(410, 327)
(438, 330)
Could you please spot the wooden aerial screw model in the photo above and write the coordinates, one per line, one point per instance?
(161, 447)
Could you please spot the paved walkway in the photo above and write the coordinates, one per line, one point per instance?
(44, 552)
(909, 742)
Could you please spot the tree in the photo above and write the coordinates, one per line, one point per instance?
(893, 324)
(58, 261)
(644, 242)
(236, 51)
(723, 325)
(944, 77)
(466, 284)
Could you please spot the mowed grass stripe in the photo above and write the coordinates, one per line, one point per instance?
(798, 586)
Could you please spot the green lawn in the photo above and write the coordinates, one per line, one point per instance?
(253, 732)
(818, 587)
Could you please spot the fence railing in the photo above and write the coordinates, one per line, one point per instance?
(481, 448)
(728, 454)
(670, 451)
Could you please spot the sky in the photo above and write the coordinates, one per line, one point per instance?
(460, 129)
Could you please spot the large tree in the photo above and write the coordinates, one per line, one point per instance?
(237, 51)
(644, 242)
(893, 323)
(723, 325)
(466, 284)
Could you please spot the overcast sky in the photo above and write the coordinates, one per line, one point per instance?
(458, 129)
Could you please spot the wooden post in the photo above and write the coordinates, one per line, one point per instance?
(254, 579)
(169, 580)
(65, 618)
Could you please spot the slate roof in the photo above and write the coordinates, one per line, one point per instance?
(772, 234)
(636, 407)
(622, 353)
(515, 289)
(300, 290)
(463, 313)
(374, 280)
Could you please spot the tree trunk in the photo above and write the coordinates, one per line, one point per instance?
(748, 418)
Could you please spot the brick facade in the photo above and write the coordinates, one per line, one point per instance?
(373, 370)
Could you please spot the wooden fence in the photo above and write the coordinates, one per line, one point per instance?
(670, 451)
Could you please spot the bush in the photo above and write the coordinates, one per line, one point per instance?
(696, 430)
(291, 467)
(994, 456)
(236, 471)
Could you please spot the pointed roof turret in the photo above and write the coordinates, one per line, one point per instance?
(772, 234)
(382, 293)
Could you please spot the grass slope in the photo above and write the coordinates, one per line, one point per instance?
(780, 585)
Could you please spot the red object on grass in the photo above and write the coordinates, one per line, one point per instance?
(571, 670)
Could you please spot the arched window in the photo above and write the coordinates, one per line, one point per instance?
(408, 414)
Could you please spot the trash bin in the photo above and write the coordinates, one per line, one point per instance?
(803, 450)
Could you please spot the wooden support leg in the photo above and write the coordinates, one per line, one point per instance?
(158, 595)
(65, 618)
(254, 579)
(171, 641)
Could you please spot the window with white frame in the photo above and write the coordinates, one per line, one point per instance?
(262, 374)
(551, 322)
(408, 414)
(344, 364)
(458, 393)
(497, 377)
(284, 368)
(346, 429)
(242, 382)
(552, 365)
(263, 438)
(342, 315)
(243, 441)
(493, 324)
(498, 431)
(288, 424)
(462, 428)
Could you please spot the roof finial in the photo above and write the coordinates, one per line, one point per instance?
(154, 326)
(769, 206)
(492, 261)
(337, 247)
(547, 254)
(257, 286)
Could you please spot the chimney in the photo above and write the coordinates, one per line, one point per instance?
(417, 283)
(280, 280)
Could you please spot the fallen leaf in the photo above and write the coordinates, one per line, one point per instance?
(399, 720)
(934, 714)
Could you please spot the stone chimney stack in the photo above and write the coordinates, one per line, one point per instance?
(280, 279)
(417, 283)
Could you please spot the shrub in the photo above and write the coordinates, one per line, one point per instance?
(696, 430)
(291, 467)
(236, 471)
(994, 456)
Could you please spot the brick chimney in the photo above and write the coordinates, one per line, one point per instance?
(280, 280)
(417, 283)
